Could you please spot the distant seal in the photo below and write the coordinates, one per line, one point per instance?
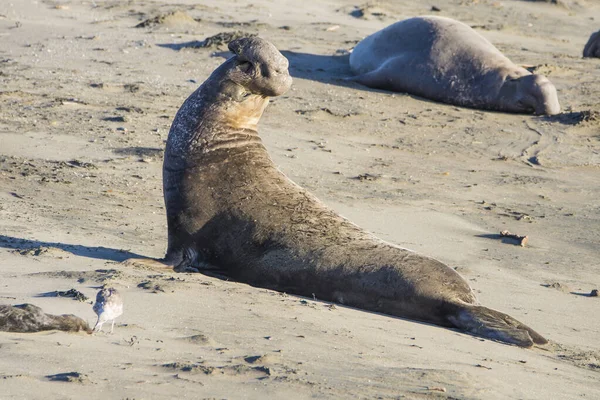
(29, 318)
(592, 47)
(229, 208)
(445, 60)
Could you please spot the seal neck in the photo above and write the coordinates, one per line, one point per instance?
(232, 139)
(230, 124)
(218, 115)
(234, 116)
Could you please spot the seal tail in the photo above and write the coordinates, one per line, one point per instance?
(492, 324)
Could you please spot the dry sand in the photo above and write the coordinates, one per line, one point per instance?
(86, 102)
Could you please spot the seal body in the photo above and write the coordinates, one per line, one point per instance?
(592, 47)
(29, 318)
(445, 60)
(230, 208)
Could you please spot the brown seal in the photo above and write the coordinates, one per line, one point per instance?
(445, 60)
(230, 208)
(30, 318)
(592, 47)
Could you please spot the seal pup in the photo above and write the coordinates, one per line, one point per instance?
(592, 47)
(108, 306)
(28, 318)
(445, 60)
(229, 208)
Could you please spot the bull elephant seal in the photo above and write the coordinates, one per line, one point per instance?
(230, 208)
(592, 47)
(445, 60)
(30, 318)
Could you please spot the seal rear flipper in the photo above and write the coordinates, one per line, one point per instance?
(492, 324)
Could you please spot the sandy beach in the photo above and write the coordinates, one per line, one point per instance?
(88, 90)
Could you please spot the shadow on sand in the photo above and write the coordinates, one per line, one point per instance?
(330, 69)
(333, 70)
(584, 294)
(99, 252)
(504, 239)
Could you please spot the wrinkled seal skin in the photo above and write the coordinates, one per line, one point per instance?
(230, 208)
(445, 60)
(28, 318)
(592, 47)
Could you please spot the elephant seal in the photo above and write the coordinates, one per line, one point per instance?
(229, 208)
(29, 318)
(592, 47)
(445, 60)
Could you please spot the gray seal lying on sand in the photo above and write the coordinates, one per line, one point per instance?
(30, 318)
(445, 60)
(592, 47)
(230, 208)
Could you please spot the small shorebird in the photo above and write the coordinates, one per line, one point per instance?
(108, 306)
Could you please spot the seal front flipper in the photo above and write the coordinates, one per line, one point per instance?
(492, 324)
(385, 76)
(198, 266)
(374, 79)
(191, 260)
(172, 260)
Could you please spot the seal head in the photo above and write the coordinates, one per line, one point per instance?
(261, 68)
(529, 93)
(257, 68)
(237, 91)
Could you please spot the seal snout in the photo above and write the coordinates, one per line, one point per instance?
(546, 98)
(266, 72)
(531, 93)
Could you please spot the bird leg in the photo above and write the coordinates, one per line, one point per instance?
(98, 325)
